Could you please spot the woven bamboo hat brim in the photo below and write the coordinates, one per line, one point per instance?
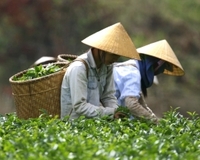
(113, 39)
(162, 50)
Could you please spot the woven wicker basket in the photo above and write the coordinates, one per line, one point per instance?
(33, 96)
(66, 57)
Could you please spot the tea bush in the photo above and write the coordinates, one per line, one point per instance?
(175, 137)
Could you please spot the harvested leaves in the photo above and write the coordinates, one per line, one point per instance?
(38, 71)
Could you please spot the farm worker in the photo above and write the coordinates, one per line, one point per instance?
(132, 77)
(90, 92)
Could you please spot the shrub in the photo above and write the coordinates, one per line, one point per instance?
(175, 137)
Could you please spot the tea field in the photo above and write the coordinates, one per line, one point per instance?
(175, 137)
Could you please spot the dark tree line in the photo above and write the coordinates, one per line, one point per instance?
(30, 29)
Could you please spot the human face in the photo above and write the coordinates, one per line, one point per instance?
(157, 66)
(110, 58)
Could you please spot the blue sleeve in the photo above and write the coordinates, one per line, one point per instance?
(127, 82)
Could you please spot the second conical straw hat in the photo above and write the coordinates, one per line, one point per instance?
(113, 39)
(162, 50)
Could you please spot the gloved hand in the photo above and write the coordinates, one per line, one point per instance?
(139, 110)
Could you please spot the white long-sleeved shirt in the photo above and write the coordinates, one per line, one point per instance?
(90, 96)
(127, 80)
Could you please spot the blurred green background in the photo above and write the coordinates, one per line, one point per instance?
(30, 29)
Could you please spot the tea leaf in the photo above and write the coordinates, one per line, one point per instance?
(38, 71)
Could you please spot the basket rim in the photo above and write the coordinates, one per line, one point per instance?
(62, 56)
(68, 55)
(39, 78)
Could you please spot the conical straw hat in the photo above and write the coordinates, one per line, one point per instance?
(113, 39)
(44, 60)
(162, 50)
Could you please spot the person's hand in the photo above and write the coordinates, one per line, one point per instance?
(155, 120)
(118, 115)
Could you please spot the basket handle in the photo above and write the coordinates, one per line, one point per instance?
(78, 59)
(85, 63)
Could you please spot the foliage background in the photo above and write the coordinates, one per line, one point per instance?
(30, 29)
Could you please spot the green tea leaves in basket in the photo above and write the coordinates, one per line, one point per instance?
(38, 71)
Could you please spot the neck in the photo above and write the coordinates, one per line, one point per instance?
(96, 56)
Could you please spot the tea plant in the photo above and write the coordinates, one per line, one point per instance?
(124, 110)
(175, 137)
